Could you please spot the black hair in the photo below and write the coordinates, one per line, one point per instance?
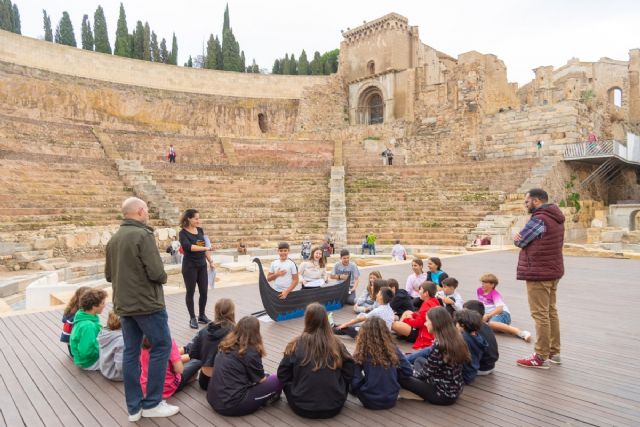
(387, 294)
(538, 193)
(344, 252)
(450, 282)
(475, 305)
(470, 320)
(283, 245)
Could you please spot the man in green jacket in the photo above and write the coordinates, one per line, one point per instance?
(134, 267)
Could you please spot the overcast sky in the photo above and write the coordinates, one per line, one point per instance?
(525, 34)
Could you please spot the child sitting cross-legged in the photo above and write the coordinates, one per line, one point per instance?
(438, 377)
(383, 311)
(412, 324)
(469, 323)
(86, 327)
(490, 355)
(496, 311)
(379, 364)
(111, 348)
(69, 313)
(401, 301)
(449, 296)
(239, 385)
(367, 300)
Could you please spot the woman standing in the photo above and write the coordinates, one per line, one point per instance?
(194, 264)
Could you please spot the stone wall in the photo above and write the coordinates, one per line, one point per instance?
(323, 108)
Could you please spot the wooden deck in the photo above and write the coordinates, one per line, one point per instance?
(598, 383)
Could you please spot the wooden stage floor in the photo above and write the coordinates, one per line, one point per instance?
(598, 383)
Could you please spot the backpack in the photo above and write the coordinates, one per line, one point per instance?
(169, 250)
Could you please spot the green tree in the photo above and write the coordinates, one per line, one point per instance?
(230, 52)
(87, 34)
(253, 68)
(100, 34)
(17, 27)
(122, 47)
(146, 45)
(6, 15)
(64, 31)
(218, 47)
(173, 55)
(211, 59)
(48, 32)
(138, 41)
(226, 25)
(131, 43)
(317, 67)
(242, 62)
(303, 64)
(155, 49)
(293, 65)
(276, 67)
(164, 53)
(330, 61)
(286, 66)
(189, 62)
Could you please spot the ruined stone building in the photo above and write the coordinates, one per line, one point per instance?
(80, 130)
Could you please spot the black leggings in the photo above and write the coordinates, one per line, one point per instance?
(195, 275)
(317, 414)
(425, 390)
(203, 380)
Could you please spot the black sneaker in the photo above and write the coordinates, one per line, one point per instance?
(203, 319)
(193, 323)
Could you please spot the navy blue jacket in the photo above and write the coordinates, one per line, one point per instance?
(378, 387)
(477, 346)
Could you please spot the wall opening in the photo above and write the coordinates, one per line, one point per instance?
(262, 122)
(615, 97)
(633, 220)
(370, 109)
(371, 67)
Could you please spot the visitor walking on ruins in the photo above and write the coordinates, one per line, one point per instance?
(540, 263)
(134, 268)
(387, 157)
(194, 264)
(172, 154)
(371, 243)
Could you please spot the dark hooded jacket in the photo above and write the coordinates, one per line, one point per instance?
(542, 258)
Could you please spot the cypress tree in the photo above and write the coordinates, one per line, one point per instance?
(146, 46)
(226, 24)
(48, 32)
(6, 15)
(276, 67)
(100, 34)
(173, 55)
(230, 52)
(87, 35)
(122, 47)
(17, 27)
(293, 65)
(330, 61)
(253, 68)
(243, 66)
(303, 64)
(138, 41)
(286, 66)
(131, 43)
(211, 59)
(189, 62)
(64, 31)
(164, 54)
(218, 47)
(316, 64)
(155, 50)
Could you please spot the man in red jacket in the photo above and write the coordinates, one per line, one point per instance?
(540, 264)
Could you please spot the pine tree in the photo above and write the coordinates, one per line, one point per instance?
(243, 66)
(286, 66)
(164, 54)
(317, 67)
(276, 67)
(48, 33)
(226, 25)
(138, 41)
(17, 27)
(64, 31)
(122, 47)
(330, 61)
(87, 35)
(293, 65)
(303, 64)
(253, 68)
(211, 59)
(189, 62)
(6, 15)
(146, 47)
(230, 52)
(155, 50)
(219, 65)
(131, 43)
(173, 55)
(100, 34)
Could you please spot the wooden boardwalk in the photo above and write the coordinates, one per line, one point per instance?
(598, 383)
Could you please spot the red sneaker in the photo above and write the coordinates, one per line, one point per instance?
(534, 361)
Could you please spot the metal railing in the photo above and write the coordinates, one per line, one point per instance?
(590, 149)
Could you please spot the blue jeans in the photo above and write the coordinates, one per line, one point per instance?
(372, 249)
(423, 352)
(155, 327)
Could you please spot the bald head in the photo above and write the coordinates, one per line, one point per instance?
(134, 208)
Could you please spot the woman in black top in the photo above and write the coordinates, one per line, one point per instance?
(194, 264)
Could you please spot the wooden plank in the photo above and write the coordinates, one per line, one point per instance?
(8, 410)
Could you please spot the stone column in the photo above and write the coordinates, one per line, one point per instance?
(337, 223)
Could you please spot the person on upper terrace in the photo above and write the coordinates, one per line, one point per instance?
(242, 247)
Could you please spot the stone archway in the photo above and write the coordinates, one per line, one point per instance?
(371, 106)
(633, 220)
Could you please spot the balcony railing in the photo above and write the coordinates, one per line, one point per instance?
(589, 149)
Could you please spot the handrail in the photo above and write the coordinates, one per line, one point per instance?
(590, 149)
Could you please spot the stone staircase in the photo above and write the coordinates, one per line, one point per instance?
(367, 153)
(337, 225)
(135, 176)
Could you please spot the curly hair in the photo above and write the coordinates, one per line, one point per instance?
(74, 303)
(186, 216)
(92, 298)
(374, 344)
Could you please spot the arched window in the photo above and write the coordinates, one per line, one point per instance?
(371, 106)
(615, 97)
(371, 67)
(262, 122)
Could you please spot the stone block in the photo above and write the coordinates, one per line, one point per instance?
(611, 236)
(597, 223)
(105, 237)
(82, 239)
(30, 256)
(163, 234)
(94, 239)
(40, 244)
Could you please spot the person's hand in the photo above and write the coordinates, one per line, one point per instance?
(342, 326)
(447, 300)
(486, 317)
(517, 237)
(284, 294)
(282, 272)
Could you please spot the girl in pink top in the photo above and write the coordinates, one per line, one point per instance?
(415, 279)
(173, 377)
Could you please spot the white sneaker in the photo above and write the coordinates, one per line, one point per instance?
(525, 335)
(162, 410)
(135, 417)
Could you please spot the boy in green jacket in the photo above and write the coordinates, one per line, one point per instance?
(86, 326)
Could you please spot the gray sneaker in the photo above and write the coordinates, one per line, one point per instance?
(555, 359)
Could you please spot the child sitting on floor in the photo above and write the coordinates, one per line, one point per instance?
(469, 323)
(239, 385)
(401, 301)
(383, 311)
(438, 377)
(490, 355)
(111, 348)
(496, 311)
(379, 364)
(449, 296)
(412, 324)
(366, 301)
(86, 327)
(69, 313)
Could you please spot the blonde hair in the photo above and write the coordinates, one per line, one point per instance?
(113, 321)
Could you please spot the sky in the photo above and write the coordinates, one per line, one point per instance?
(525, 34)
